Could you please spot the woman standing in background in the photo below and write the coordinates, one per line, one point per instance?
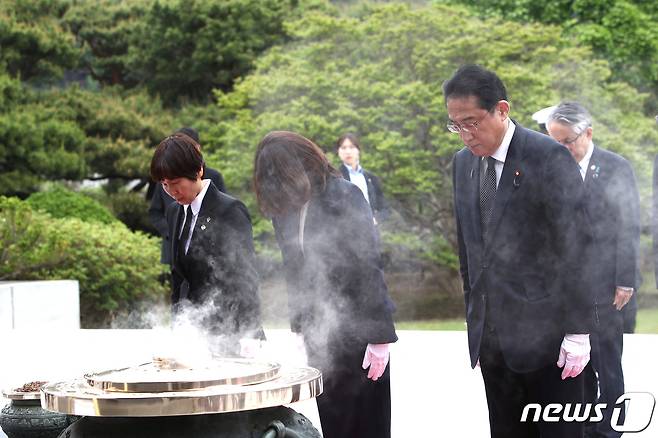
(348, 149)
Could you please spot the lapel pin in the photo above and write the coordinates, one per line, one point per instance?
(207, 219)
(203, 227)
(517, 179)
(596, 169)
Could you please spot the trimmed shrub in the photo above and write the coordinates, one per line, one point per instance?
(118, 270)
(62, 203)
(132, 209)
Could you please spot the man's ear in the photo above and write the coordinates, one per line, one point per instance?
(503, 108)
(589, 132)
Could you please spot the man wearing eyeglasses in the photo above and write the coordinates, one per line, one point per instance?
(613, 205)
(520, 227)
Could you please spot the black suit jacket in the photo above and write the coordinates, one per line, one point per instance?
(336, 292)
(378, 204)
(613, 205)
(159, 203)
(219, 266)
(526, 282)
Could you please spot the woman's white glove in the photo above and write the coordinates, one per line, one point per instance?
(574, 355)
(376, 358)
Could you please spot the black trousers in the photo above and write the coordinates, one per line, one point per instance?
(508, 392)
(606, 383)
(351, 405)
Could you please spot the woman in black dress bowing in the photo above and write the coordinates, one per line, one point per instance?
(214, 279)
(336, 290)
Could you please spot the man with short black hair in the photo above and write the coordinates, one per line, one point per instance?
(613, 206)
(519, 215)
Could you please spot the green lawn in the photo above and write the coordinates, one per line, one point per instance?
(432, 324)
(647, 322)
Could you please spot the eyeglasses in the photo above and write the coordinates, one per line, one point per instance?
(567, 141)
(465, 127)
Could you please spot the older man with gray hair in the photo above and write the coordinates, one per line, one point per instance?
(612, 202)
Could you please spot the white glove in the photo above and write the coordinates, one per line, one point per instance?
(574, 355)
(376, 358)
(249, 347)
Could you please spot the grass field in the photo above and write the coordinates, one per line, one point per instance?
(647, 322)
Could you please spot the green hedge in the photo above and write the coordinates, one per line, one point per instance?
(132, 209)
(118, 270)
(62, 203)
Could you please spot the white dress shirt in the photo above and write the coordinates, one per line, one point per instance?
(501, 153)
(195, 206)
(359, 179)
(584, 163)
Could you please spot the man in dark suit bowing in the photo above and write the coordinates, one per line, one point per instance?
(613, 205)
(520, 226)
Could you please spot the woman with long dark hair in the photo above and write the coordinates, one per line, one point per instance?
(336, 291)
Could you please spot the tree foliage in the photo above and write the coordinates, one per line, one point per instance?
(379, 75)
(75, 134)
(625, 32)
(105, 30)
(33, 44)
(35, 147)
(179, 50)
(187, 48)
(135, 51)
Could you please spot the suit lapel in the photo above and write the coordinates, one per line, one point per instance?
(200, 233)
(512, 171)
(369, 187)
(593, 169)
(212, 202)
(345, 172)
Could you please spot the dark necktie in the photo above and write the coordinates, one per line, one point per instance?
(487, 196)
(185, 233)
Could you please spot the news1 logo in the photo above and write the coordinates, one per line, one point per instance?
(639, 411)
